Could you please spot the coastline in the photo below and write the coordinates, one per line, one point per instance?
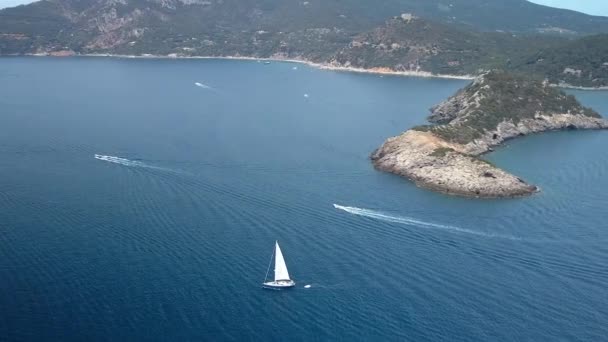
(322, 66)
(569, 86)
(438, 165)
(445, 157)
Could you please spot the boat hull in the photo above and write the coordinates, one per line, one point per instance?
(279, 285)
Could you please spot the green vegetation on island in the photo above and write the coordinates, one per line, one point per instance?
(441, 151)
(497, 106)
(498, 97)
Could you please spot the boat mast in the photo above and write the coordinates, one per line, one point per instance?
(269, 263)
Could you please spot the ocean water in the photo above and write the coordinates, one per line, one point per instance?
(140, 200)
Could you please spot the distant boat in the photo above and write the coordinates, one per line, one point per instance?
(281, 275)
(267, 62)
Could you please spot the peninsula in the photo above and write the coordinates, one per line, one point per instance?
(495, 107)
(462, 39)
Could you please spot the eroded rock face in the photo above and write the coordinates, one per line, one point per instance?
(437, 165)
(541, 123)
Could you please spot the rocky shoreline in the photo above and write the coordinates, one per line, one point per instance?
(507, 130)
(439, 158)
(569, 86)
(435, 164)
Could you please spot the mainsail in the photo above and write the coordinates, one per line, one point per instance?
(280, 269)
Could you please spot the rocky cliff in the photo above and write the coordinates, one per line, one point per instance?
(497, 106)
(433, 163)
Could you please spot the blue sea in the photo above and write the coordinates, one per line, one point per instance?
(140, 200)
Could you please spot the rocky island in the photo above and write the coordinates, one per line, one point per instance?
(495, 107)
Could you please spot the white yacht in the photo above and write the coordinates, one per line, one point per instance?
(281, 275)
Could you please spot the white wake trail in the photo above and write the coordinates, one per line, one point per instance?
(202, 85)
(128, 162)
(422, 224)
(118, 160)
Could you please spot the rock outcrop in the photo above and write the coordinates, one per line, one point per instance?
(437, 165)
(540, 123)
(495, 107)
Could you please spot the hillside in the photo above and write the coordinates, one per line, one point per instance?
(496, 107)
(458, 38)
(582, 62)
(260, 27)
(188, 27)
(412, 43)
(485, 15)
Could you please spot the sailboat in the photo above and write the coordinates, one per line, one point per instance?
(281, 275)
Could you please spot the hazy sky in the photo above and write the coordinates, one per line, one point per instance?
(597, 7)
(11, 3)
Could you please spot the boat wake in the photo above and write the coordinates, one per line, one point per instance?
(202, 85)
(418, 223)
(128, 162)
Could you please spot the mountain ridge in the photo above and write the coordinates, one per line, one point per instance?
(347, 33)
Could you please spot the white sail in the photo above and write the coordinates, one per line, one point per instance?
(280, 268)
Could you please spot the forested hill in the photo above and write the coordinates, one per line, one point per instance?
(485, 15)
(582, 62)
(410, 43)
(447, 37)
